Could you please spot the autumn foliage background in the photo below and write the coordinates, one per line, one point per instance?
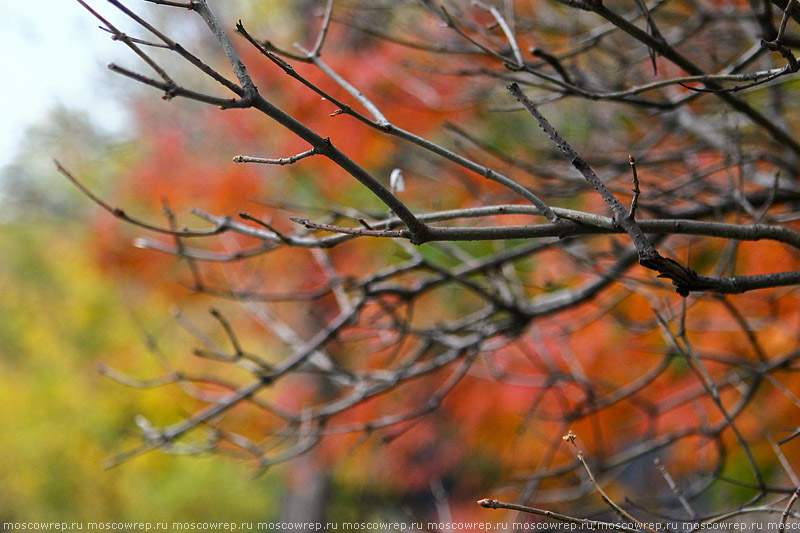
(138, 311)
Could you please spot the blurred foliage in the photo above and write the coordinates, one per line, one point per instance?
(62, 315)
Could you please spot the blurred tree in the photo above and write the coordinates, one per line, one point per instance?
(409, 275)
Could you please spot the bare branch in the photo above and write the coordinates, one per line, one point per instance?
(316, 51)
(282, 161)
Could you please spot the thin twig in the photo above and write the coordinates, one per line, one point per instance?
(570, 438)
(792, 500)
(674, 488)
(636, 192)
(512, 40)
(121, 214)
(316, 50)
(186, 5)
(584, 522)
(280, 161)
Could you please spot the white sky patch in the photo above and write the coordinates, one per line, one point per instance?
(53, 53)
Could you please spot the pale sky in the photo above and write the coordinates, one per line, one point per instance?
(51, 52)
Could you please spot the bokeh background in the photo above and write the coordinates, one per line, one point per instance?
(76, 295)
(62, 312)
